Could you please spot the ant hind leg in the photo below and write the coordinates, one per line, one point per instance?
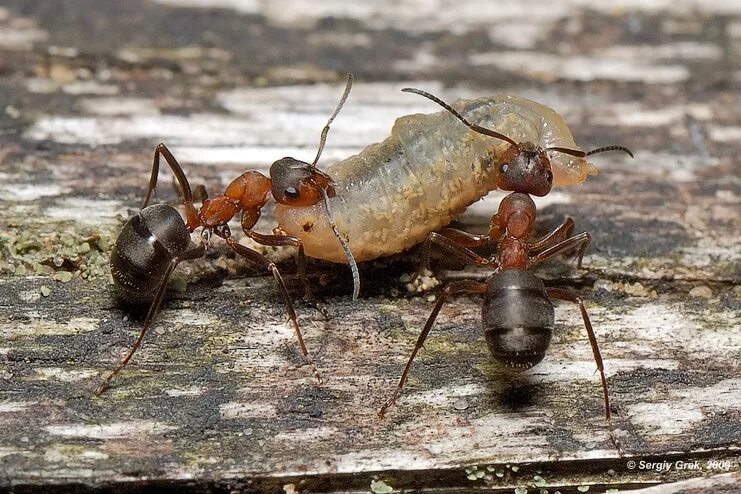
(466, 286)
(263, 261)
(192, 253)
(562, 294)
(177, 170)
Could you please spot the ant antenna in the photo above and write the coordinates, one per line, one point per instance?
(325, 130)
(472, 126)
(583, 154)
(493, 133)
(325, 199)
(350, 258)
(611, 148)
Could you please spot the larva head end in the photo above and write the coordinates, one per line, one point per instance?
(299, 184)
(526, 169)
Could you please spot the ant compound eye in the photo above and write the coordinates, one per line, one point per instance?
(549, 176)
(504, 167)
(291, 193)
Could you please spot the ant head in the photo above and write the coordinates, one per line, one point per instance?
(525, 168)
(297, 183)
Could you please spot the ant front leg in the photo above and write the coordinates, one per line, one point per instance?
(456, 242)
(558, 235)
(283, 240)
(580, 242)
(193, 253)
(187, 194)
(562, 294)
(466, 286)
(261, 260)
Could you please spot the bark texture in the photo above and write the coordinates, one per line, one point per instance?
(217, 399)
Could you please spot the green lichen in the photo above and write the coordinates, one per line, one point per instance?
(64, 276)
(380, 487)
(443, 345)
(85, 254)
(473, 473)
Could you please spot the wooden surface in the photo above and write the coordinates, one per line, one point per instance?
(217, 400)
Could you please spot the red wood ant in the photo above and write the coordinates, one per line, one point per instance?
(517, 313)
(152, 243)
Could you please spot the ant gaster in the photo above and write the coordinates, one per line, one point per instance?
(517, 313)
(152, 243)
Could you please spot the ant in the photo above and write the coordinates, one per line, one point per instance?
(517, 313)
(152, 243)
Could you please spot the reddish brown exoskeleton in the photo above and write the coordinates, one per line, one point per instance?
(152, 243)
(517, 313)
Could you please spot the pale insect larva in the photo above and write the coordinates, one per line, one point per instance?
(392, 194)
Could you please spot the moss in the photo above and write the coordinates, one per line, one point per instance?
(444, 345)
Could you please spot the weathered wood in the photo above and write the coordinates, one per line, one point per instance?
(217, 399)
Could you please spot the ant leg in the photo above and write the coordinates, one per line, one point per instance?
(192, 253)
(496, 231)
(562, 294)
(200, 193)
(281, 240)
(466, 286)
(462, 252)
(465, 239)
(581, 241)
(161, 150)
(263, 261)
(558, 235)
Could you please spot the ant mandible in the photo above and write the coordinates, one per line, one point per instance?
(152, 243)
(517, 314)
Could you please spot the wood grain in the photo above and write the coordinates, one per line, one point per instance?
(217, 399)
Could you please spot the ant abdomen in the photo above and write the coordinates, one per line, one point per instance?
(518, 319)
(147, 244)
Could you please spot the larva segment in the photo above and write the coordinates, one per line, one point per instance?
(392, 194)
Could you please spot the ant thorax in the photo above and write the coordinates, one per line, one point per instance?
(248, 192)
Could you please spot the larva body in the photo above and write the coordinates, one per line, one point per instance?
(392, 194)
